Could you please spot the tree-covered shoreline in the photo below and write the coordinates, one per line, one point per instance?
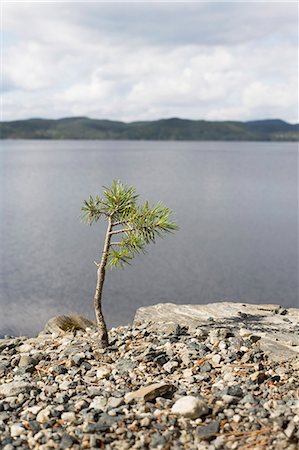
(173, 129)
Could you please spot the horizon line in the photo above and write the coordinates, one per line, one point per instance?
(153, 120)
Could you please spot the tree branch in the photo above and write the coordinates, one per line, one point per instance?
(123, 230)
(120, 222)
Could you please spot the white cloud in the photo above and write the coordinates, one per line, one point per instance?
(138, 62)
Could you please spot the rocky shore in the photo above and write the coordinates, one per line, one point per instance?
(227, 379)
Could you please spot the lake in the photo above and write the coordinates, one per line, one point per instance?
(236, 205)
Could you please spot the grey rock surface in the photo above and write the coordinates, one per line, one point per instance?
(277, 327)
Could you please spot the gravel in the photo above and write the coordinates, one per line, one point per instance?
(204, 389)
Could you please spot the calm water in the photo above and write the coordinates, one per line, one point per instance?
(236, 204)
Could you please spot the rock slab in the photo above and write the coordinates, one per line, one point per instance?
(278, 327)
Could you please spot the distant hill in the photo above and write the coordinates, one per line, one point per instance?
(164, 129)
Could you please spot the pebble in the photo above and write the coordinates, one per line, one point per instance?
(178, 388)
(68, 416)
(170, 366)
(103, 372)
(98, 403)
(16, 430)
(216, 359)
(14, 388)
(148, 392)
(191, 407)
(25, 348)
(211, 428)
(115, 402)
(43, 415)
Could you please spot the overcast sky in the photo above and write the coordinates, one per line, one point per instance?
(150, 60)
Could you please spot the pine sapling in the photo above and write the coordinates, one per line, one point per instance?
(130, 227)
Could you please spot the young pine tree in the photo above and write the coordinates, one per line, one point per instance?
(130, 227)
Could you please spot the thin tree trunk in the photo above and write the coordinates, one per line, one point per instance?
(99, 289)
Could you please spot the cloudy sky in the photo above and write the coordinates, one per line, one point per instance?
(147, 60)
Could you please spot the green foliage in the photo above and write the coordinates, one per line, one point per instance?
(165, 129)
(117, 202)
(137, 225)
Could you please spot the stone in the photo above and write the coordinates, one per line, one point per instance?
(161, 359)
(235, 391)
(68, 416)
(187, 373)
(149, 393)
(27, 360)
(191, 407)
(67, 441)
(8, 447)
(78, 358)
(43, 415)
(115, 402)
(98, 403)
(145, 422)
(14, 388)
(264, 321)
(258, 376)
(3, 370)
(216, 359)
(228, 399)
(170, 366)
(25, 348)
(206, 367)
(65, 385)
(63, 324)
(124, 366)
(16, 430)
(103, 423)
(290, 430)
(103, 372)
(157, 440)
(208, 430)
(32, 409)
(80, 404)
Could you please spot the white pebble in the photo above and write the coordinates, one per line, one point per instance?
(145, 422)
(43, 416)
(216, 359)
(237, 418)
(190, 406)
(244, 348)
(25, 348)
(68, 416)
(103, 372)
(170, 366)
(222, 345)
(16, 430)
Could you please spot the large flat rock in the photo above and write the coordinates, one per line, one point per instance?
(277, 326)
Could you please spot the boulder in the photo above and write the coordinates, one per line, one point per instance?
(63, 324)
(277, 326)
